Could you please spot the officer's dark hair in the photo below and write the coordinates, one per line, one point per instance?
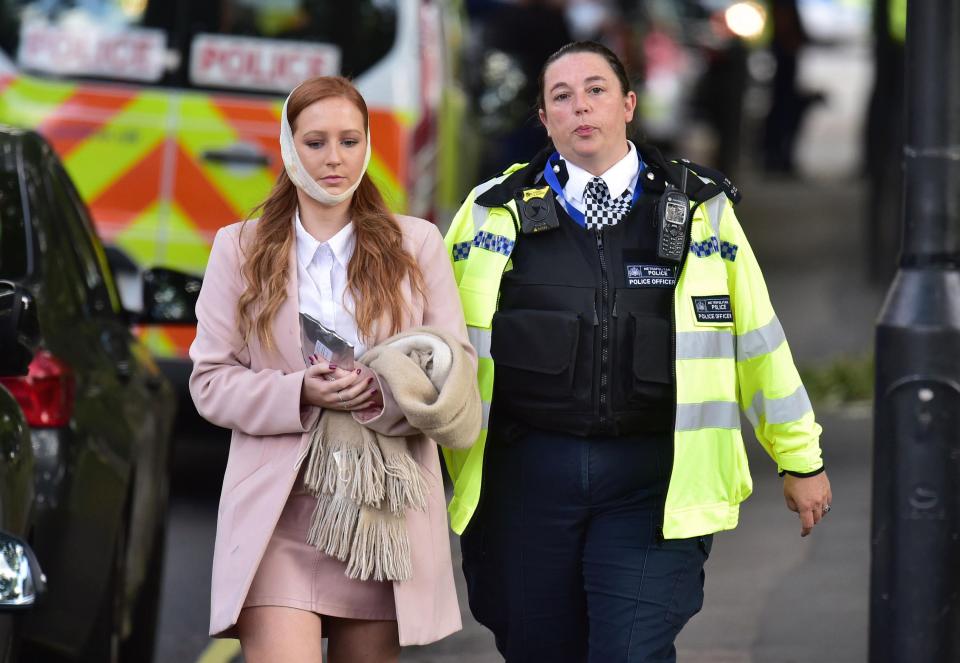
(585, 47)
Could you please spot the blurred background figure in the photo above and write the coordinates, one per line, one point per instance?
(688, 62)
(788, 104)
(725, 48)
(514, 38)
(884, 136)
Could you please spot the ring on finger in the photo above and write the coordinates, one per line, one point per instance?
(826, 509)
(351, 403)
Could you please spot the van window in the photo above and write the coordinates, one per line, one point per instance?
(251, 45)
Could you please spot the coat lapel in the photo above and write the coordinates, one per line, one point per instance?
(286, 326)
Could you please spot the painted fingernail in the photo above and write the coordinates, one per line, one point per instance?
(373, 391)
(358, 371)
(333, 366)
(312, 360)
(369, 380)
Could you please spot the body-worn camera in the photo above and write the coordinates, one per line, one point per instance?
(537, 210)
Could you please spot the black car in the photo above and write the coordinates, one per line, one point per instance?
(21, 580)
(99, 413)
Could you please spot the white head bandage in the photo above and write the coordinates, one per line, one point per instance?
(299, 175)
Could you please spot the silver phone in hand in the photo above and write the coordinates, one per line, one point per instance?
(322, 341)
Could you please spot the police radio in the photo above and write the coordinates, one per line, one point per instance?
(673, 214)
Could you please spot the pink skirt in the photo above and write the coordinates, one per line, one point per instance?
(294, 574)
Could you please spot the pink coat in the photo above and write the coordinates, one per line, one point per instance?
(256, 393)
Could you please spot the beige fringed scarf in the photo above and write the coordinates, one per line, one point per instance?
(365, 481)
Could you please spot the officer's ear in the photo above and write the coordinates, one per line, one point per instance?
(543, 119)
(629, 106)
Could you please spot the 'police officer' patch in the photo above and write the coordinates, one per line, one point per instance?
(713, 309)
(651, 276)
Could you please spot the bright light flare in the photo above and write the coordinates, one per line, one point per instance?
(746, 19)
(133, 8)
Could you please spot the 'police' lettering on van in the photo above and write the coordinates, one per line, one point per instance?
(259, 64)
(131, 53)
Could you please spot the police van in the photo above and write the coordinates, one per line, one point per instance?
(166, 112)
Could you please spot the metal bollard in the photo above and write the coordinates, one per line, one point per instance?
(915, 543)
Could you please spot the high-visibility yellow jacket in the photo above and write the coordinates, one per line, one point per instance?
(721, 368)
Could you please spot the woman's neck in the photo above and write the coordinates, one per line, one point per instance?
(322, 221)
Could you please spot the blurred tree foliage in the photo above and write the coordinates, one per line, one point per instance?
(845, 380)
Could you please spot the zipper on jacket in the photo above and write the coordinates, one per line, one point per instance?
(673, 342)
(604, 330)
(673, 312)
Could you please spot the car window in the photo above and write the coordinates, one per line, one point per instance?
(71, 217)
(62, 291)
(13, 232)
(253, 45)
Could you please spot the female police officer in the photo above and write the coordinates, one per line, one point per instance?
(616, 301)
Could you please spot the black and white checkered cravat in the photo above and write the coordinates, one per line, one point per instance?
(601, 210)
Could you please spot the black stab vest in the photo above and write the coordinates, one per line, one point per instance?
(583, 334)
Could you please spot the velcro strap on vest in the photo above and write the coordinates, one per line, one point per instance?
(720, 183)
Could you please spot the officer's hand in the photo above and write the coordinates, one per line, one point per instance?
(810, 498)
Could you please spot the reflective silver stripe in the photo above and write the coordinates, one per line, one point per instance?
(705, 345)
(479, 217)
(760, 341)
(485, 415)
(779, 410)
(480, 340)
(712, 414)
(479, 211)
(715, 207)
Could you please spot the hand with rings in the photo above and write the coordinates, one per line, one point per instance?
(334, 388)
(809, 497)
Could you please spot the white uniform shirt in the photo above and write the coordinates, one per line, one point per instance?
(322, 281)
(621, 176)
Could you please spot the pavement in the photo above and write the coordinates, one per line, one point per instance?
(771, 596)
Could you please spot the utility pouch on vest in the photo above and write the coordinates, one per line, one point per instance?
(537, 210)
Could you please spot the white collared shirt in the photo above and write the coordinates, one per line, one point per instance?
(621, 176)
(322, 281)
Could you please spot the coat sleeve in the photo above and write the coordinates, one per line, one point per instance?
(441, 310)
(225, 390)
(770, 390)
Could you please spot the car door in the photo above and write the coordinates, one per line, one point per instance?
(112, 425)
(147, 400)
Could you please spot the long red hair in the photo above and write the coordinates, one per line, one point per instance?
(379, 260)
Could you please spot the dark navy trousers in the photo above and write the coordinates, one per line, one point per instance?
(563, 558)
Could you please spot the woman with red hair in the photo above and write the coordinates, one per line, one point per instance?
(326, 245)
